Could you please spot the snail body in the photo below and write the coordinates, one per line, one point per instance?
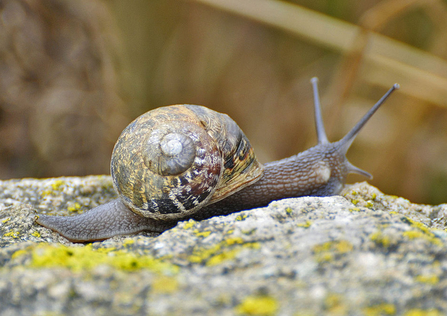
(187, 161)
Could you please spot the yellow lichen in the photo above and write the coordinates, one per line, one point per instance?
(379, 238)
(87, 258)
(369, 204)
(288, 210)
(354, 209)
(19, 253)
(36, 234)
(189, 224)
(431, 279)
(305, 225)
(57, 184)
(201, 234)
(199, 256)
(46, 192)
(341, 246)
(335, 305)
(423, 232)
(128, 241)
(74, 207)
(414, 234)
(419, 225)
(164, 285)
(6, 220)
(423, 312)
(234, 240)
(380, 309)
(12, 234)
(257, 305)
(327, 251)
(219, 253)
(223, 256)
(240, 217)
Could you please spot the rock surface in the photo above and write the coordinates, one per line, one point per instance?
(363, 253)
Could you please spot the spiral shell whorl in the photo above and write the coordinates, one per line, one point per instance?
(170, 161)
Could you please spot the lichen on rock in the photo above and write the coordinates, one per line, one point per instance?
(363, 252)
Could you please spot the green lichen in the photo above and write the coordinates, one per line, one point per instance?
(379, 310)
(257, 305)
(87, 258)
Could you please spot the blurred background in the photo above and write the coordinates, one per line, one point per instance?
(73, 74)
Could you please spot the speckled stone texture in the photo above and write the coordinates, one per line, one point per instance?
(363, 253)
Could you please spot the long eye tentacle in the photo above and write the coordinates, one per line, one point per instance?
(319, 125)
(345, 142)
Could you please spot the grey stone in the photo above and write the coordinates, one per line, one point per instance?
(362, 253)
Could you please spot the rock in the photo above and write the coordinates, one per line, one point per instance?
(363, 253)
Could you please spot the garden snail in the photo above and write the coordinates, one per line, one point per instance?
(187, 161)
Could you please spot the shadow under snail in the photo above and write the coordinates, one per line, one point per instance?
(187, 161)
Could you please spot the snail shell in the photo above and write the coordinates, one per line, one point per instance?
(171, 161)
